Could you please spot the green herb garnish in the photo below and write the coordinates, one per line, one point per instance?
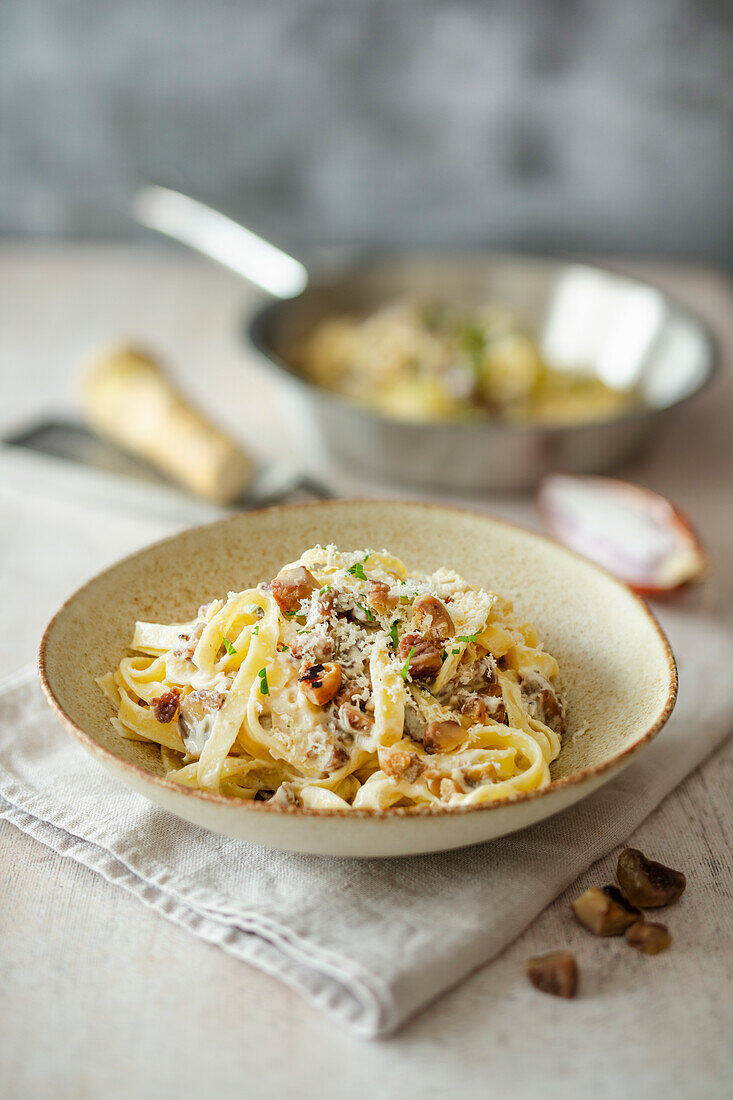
(393, 633)
(264, 686)
(404, 599)
(405, 670)
(283, 648)
(326, 588)
(367, 612)
(444, 655)
(229, 647)
(256, 629)
(455, 651)
(466, 637)
(357, 570)
(473, 339)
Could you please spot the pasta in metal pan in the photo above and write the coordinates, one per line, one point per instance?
(421, 361)
(346, 682)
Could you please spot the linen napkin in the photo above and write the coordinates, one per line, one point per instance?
(369, 941)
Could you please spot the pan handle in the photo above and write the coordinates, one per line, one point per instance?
(199, 226)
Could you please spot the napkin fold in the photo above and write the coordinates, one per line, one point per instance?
(369, 941)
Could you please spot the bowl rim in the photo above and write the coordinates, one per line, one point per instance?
(392, 813)
(256, 322)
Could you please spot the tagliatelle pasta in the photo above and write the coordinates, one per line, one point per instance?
(346, 682)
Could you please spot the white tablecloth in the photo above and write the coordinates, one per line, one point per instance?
(100, 997)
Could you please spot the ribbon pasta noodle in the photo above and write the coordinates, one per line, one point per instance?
(346, 681)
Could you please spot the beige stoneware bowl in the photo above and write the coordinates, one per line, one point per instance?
(617, 670)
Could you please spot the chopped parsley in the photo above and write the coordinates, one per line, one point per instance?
(472, 339)
(264, 686)
(393, 633)
(466, 637)
(291, 614)
(304, 630)
(357, 570)
(283, 648)
(367, 612)
(455, 651)
(326, 588)
(404, 599)
(444, 655)
(405, 670)
(229, 647)
(256, 629)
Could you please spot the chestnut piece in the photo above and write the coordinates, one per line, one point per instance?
(424, 657)
(165, 706)
(197, 706)
(648, 937)
(326, 603)
(401, 766)
(491, 704)
(353, 720)
(556, 974)
(292, 586)
(443, 736)
(543, 701)
(604, 911)
(378, 597)
(433, 619)
(646, 883)
(448, 789)
(474, 708)
(320, 683)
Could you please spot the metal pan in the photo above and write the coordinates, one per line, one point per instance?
(627, 332)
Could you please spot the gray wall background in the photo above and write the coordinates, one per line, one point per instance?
(603, 124)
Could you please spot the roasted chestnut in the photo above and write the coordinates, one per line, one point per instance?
(648, 937)
(647, 883)
(604, 911)
(556, 974)
(443, 736)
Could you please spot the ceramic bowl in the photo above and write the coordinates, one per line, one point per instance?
(617, 671)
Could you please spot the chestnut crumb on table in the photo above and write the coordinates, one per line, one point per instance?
(610, 911)
(647, 883)
(604, 911)
(649, 938)
(556, 974)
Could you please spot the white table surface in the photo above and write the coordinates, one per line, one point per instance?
(101, 998)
